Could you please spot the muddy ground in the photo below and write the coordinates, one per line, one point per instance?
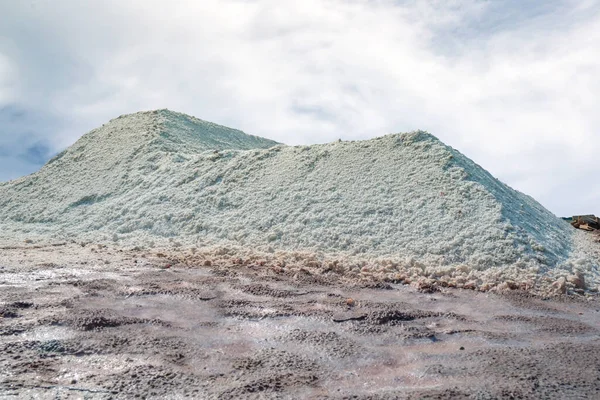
(99, 323)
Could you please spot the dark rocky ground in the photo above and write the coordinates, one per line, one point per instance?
(105, 324)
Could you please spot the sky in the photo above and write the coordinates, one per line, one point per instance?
(513, 85)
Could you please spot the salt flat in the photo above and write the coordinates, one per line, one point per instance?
(101, 322)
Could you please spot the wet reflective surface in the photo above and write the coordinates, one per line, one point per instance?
(134, 328)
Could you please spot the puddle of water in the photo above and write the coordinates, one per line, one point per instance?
(181, 313)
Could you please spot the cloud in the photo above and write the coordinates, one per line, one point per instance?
(513, 86)
(37, 153)
(25, 141)
(6, 78)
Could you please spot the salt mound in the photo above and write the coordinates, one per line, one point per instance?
(407, 197)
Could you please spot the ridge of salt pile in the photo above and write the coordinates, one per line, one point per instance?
(153, 176)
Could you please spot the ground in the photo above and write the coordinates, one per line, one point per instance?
(93, 322)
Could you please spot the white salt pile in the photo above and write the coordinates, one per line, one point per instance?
(406, 200)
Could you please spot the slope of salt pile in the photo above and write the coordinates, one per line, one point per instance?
(160, 175)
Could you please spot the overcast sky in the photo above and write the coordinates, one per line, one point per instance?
(514, 87)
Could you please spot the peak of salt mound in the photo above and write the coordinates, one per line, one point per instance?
(147, 132)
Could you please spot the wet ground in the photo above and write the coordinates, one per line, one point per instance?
(98, 323)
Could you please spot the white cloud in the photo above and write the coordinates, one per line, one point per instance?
(7, 77)
(514, 88)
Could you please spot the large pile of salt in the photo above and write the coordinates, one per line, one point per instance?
(158, 175)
